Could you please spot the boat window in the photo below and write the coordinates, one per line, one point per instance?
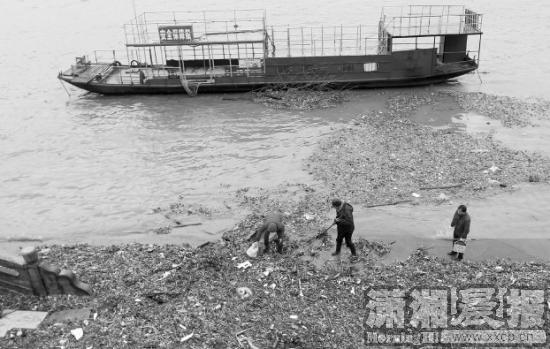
(250, 63)
(348, 67)
(284, 69)
(309, 68)
(368, 67)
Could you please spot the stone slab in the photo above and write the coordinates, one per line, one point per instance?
(69, 315)
(21, 319)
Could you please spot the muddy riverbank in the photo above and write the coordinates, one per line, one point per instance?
(420, 153)
(425, 150)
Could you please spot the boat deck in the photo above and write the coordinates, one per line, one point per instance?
(124, 75)
(85, 74)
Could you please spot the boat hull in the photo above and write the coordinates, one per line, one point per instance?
(113, 89)
(405, 68)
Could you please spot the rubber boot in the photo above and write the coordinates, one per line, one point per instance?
(338, 248)
(352, 249)
(280, 247)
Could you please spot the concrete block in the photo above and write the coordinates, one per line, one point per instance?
(21, 319)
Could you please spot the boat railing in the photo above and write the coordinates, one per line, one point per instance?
(142, 75)
(156, 38)
(273, 42)
(90, 71)
(130, 56)
(430, 20)
(471, 57)
(193, 27)
(161, 36)
(471, 63)
(322, 41)
(109, 56)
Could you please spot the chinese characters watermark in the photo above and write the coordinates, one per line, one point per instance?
(475, 315)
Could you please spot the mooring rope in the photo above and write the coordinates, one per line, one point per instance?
(65, 88)
(185, 84)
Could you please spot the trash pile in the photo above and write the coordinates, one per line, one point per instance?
(300, 98)
(380, 248)
(214, 297)
(511, 111)
(181, 214)
(385, 158)
(305, 209)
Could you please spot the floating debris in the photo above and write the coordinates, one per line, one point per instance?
(303, 98)
(368, 162)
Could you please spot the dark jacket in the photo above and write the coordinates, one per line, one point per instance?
(345, 217)
(461, 225)
(276, 218)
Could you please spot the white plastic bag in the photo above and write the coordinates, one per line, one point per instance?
(252, 251)
(244, 292)
(459, 246)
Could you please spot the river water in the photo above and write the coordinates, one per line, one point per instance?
(93, 166)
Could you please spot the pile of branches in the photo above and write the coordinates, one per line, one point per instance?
(300, 97)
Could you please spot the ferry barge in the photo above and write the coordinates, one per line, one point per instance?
(190, 52)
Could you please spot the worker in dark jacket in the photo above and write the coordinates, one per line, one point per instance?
(461, 223)
(344, 224)
(273, 223)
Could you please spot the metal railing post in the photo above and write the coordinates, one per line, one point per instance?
(302, 34)
(341, 38)
(420, 24)
(430, 21)
(322, 41)
(273, 41)
(288, 40)
(334, 40)
(312, 42)
(266, 42)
